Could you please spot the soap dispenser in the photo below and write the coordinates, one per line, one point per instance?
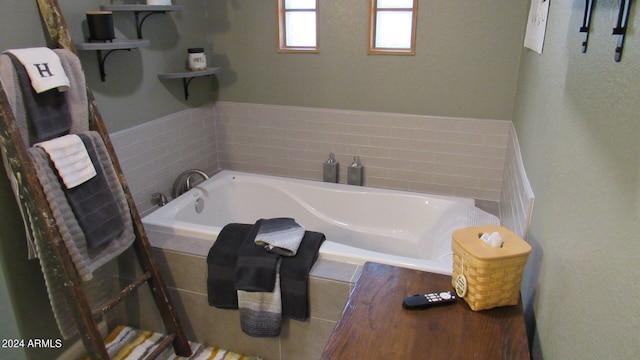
(330, 169)
(354, 173)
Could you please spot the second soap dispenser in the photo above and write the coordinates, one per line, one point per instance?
(354, 172)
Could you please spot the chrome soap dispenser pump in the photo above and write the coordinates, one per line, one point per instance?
(354, 172)
(330, 169)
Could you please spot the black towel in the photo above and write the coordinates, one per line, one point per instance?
(294, 276)
(256, 268)
(221, 264)
(47, 112)
(94, 205)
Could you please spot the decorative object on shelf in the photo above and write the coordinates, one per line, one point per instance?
(187, 76)
(100, 25)
(197, 60)
(110, 47)
(586, 22)
(621, 27)
(139, 9)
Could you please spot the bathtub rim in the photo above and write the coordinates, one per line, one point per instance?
(156, 222)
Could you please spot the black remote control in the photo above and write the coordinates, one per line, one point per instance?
(418, 302)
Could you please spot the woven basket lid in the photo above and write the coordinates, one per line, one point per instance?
(469, 240)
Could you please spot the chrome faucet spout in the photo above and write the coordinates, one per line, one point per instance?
(183, 182)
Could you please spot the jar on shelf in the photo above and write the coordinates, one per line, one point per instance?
(197, 60)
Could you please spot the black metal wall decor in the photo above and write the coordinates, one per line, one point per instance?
(620, 30)
(586, 22)
(621, 27)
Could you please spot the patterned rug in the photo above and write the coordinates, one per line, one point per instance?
(132, 344)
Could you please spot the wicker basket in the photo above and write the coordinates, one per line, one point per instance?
(485, 276)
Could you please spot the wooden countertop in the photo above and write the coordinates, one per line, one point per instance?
(374, 325)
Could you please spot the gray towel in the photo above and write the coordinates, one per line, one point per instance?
(92, 201)
(76, 102)
(86, 260)
(280, 236)
(94, 205)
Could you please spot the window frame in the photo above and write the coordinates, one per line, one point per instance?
(282, 30)
(373, 12)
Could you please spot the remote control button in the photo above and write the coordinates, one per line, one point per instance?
(445, 295)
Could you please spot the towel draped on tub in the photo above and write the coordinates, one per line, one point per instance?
(225, 263)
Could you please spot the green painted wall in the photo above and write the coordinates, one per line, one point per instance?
(466, 62)
(575, 114)
(578, 126)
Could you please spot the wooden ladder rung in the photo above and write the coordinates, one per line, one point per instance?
(98, 314)
(166, 341)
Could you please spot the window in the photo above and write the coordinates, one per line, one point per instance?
(297, 26)
(392, 27)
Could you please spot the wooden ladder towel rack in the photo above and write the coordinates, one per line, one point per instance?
(33, 201)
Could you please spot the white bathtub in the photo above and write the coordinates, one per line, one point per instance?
(360, 223)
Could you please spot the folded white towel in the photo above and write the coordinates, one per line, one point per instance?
(44, 68)
(70, 158)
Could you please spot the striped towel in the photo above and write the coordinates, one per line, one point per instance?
(261, 311)
(129, 343)
(280, 235)
(70, 158)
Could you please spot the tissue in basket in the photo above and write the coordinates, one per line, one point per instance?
(484, 276)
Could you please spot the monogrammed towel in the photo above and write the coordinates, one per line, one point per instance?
(43, 67)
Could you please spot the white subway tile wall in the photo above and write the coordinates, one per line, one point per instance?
(153, 154)
(517, 198)
(437, 155)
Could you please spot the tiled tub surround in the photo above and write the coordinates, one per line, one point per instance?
(329, 289)
(516, 197)
(154, 153)
(436, 155)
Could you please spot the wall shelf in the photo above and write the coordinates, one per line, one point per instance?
(187, 76)
(110, 47)
(144, 10)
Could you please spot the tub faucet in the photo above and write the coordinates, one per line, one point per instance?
(183, 182)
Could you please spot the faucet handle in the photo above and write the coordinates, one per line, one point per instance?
(158, 199)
